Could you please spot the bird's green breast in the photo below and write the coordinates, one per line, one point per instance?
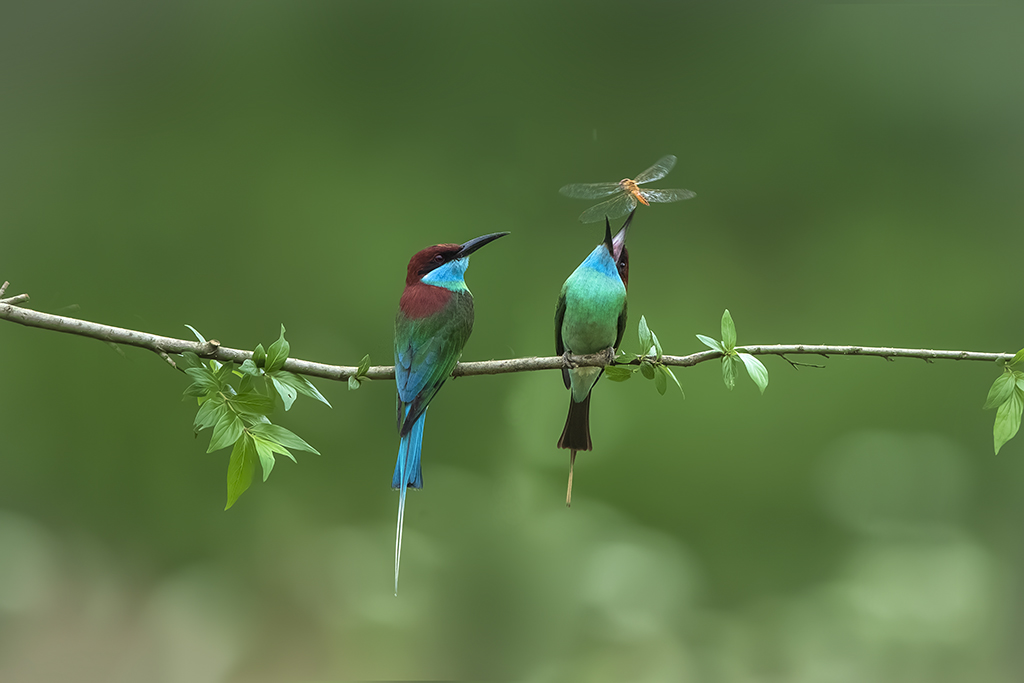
(593, 302)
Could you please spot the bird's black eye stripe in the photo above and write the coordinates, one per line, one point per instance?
(436, 262)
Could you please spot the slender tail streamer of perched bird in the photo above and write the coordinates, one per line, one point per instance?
(434, 321)
(590, 317)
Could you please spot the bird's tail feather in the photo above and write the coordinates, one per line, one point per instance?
(407, 475)
(568, 490)
(409, 457)
(576, 434)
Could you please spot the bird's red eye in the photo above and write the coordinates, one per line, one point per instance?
(439, 258)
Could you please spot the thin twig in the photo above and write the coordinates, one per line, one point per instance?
(163, 346)
(797, 364)
(15, 300)
(163, 354)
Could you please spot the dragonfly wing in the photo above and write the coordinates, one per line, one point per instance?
(590, 190)
(612, 208)
(667, 195)
(658, 171)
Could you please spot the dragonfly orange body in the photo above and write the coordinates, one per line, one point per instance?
(623, 196)
(630, 186)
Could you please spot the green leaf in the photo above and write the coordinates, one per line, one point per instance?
(252, 403)
(278, 448)
(1008, 419)
(729, 371)
(266, 455)
(250, 368)
(660, 382)
(306, 387)
(646, 369)
(665, 370)
(282, 436)
(288, 393)
(728, 331)
(277, 354)
(196, 389)
(240, 468)
(225, 432)
(259, 356)
(1017, 358)
(364, 365)
(712, 344)
(353, 383)
(209, 414)
(618, 373)
(1000, 390)
(301, 384)
(645, 336)
(756, 369)
(196, 332)
(204, 377)
(223, 373)
(657, 345)
(190, 359)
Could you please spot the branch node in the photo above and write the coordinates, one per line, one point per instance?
(209, 349)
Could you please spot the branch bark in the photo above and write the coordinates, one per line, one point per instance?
(163, 346)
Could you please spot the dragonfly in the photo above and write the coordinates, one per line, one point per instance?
(625, 194)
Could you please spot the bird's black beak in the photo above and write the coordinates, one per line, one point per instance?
(619, 241)
(474, 244)
(608, 237)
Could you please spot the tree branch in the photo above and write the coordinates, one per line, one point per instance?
(163, 346)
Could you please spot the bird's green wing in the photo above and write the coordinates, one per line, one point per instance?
(559, 343)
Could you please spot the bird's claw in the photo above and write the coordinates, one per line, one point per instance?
(609, 355)
(566, 363)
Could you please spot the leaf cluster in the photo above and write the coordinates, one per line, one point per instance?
(1007, 396)
(648, 362)
(235, 401)
(733, 360)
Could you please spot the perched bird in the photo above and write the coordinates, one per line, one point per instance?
(434, 321)
(590, 317)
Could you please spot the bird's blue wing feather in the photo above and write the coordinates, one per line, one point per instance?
(424, 361)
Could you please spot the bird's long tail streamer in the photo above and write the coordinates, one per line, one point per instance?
(408, 465)
(568, 491)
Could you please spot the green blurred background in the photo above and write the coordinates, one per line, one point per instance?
(235, 166)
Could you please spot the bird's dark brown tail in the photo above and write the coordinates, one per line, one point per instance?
(576, 434)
